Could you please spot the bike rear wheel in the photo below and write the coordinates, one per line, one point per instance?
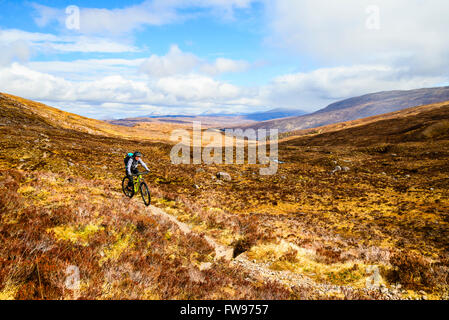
(127, 190)
(145, 192)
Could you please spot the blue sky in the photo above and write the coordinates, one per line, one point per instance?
(196, 56)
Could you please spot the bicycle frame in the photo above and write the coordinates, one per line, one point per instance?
(137, 180)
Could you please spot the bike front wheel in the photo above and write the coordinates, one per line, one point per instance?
(145, 192)
(127, 187)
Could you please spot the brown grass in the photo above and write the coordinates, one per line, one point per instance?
(58, 208)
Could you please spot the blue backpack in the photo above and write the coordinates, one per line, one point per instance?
(127, 157)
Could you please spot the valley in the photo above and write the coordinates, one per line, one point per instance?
(354, 203)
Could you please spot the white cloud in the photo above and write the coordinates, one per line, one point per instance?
(149, 12)
(20, 80)
(89, 44)
(16, 50)
(320, 87)
(46, 15)
(49, 42)
(222, 65)
(88, 69)
(176, 62)
(182, 93)
(193, 88)
(409, 51)
(116, 95)
(412, 33)
(99, 20)
(11, 35)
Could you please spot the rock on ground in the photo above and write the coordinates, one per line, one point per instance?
(224, 176)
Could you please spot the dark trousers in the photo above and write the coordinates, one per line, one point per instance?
(133, 171)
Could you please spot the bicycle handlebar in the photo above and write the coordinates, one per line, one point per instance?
(140, 173)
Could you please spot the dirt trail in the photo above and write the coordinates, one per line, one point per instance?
(262, 272)
(259, 271)
(221, 251)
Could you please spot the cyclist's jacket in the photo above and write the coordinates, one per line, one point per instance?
(132, 165)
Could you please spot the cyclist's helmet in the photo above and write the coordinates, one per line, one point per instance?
(137, 154)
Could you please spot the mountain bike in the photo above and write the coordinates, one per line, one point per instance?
(139, 185)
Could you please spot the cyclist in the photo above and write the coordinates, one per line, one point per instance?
(131, 165)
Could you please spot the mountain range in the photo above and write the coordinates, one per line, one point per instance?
(358, 107)
(227, 118)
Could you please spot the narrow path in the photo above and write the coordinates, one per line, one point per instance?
(221, 251)
(259, 271)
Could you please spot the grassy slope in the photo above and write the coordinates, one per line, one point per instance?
(61, 205)
(59, 209)
(401, 114)
(54, 117)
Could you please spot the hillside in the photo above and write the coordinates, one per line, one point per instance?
(21, 112)
(359, 107)
(308, 232)
(409, 125)
(61, 205)
(401, 114)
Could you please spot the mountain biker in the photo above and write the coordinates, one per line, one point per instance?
(131, 166)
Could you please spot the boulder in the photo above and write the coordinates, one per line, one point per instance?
(337, 168)
(224, 176)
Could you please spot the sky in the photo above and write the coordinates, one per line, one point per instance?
(115, 59)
